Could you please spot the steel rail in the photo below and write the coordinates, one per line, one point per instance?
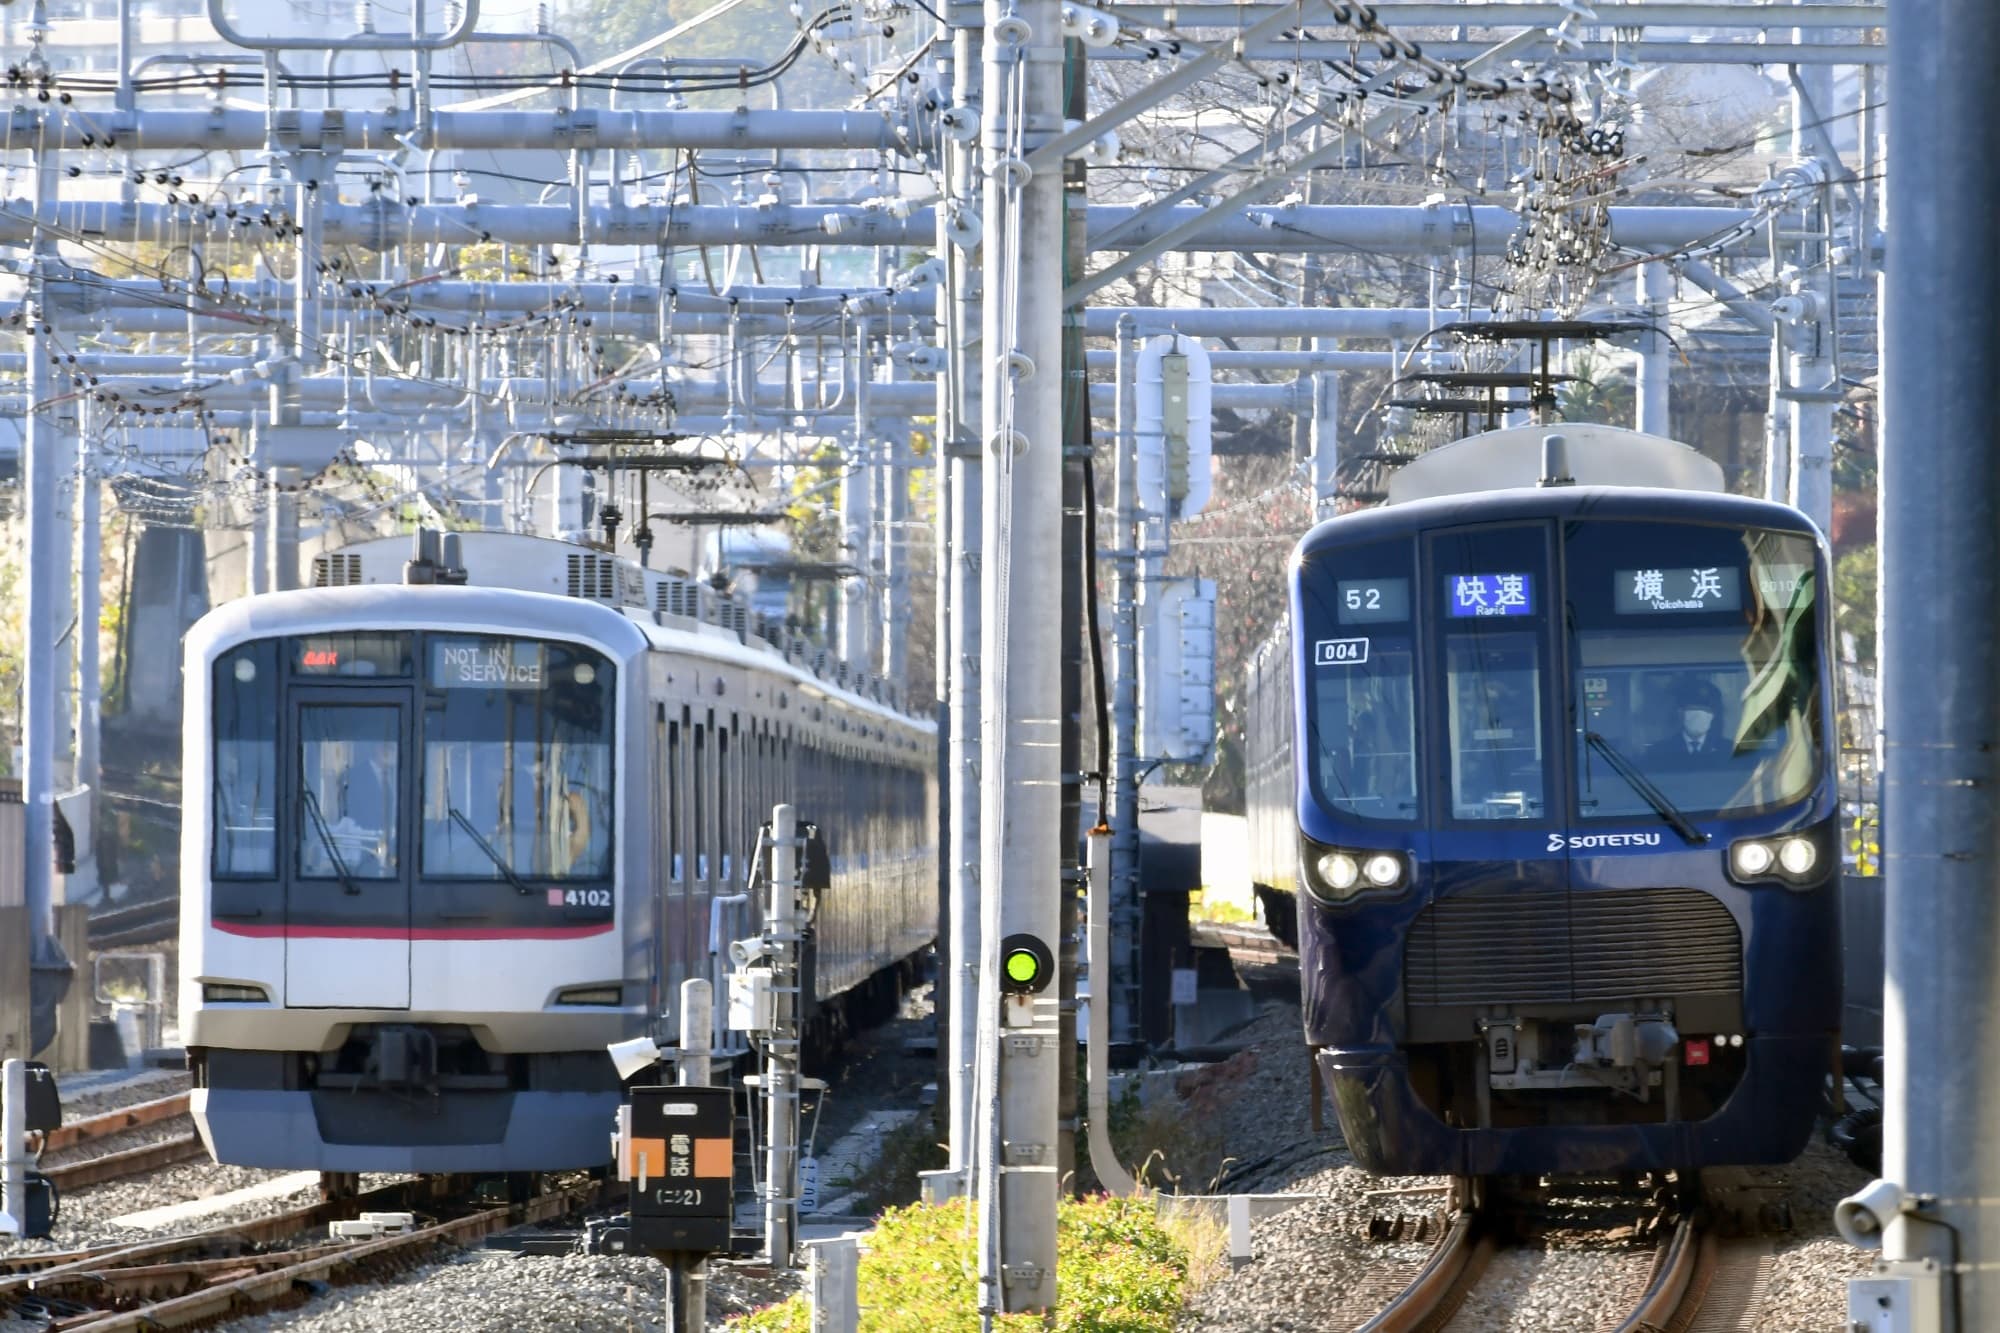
(1437, 1290)
(1674, 1297)
(114, 1122)
(131, 1162)
(259, 1290)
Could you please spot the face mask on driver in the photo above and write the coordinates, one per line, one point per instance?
(1695, 721)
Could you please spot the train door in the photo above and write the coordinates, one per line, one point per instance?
(348, 882)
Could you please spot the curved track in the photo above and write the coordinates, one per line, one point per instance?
(1700, 1281)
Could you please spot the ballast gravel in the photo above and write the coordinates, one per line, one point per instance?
(487, 1291)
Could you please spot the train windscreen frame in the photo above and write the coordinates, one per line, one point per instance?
(1361, 708)
(1694, 654)
(516, 755)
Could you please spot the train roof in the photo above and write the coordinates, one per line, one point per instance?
(1594, 455)
(1531, 502)
(621, 629)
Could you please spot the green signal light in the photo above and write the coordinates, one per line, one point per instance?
(1026, 964)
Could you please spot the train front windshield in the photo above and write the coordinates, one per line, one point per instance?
(501, 748)
(1694, 661)
(1677, 656)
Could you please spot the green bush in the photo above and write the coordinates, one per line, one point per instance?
(1119, 1270)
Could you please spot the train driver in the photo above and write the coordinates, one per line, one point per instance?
(1696, 734)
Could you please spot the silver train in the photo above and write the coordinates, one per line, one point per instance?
(445, 840)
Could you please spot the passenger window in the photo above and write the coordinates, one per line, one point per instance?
(700, 788)
(725, 809)
(674, 801)
(245, 781)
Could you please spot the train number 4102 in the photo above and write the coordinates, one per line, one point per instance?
(579, 897)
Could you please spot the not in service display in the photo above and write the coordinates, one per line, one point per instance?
(488, 664)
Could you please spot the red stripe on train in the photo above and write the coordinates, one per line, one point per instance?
(414, 932)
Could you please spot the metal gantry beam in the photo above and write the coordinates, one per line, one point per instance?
(1144, 250)
(1398, 15)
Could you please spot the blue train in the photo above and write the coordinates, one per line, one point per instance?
(1542, 786)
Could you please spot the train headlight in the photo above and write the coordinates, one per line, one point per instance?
(1340, 871)
(1795, 860)
(1382, 870)
(1751, 859)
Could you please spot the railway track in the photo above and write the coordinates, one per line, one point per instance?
(142, 923)
(120, 1163)
(1246, 942)
(244, 1267)
(1699, 1280)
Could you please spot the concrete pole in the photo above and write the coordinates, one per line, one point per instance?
(82, 886)
(1111, 986)
(1325, 438)
(1021, 357)
(893, 613)
(257, 560)
(1941, 533)
(281, 509)
(44, 446)
(964, 477)
(1652, 409)
(946, 438)
(1777, 430)
(857, 517)
(959, 649)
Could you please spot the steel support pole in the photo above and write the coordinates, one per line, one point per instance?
(689, 1272)
(892, 611)
(1777, 425)
(965, 474)
(1652, 409)
(88, 504)
(963, 655)
(1325, 444)
(1941, 534)
(857, 517)
(257, 542)
(281, 508)
(44, 447)
(1112, 985)
(781, 1044)
(1021, 785)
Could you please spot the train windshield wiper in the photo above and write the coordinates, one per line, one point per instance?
(500, 862)
(340, 870)
(1640, 783)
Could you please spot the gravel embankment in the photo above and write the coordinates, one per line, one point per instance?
(1808, 1287)
(486, 1291)
(109, 1094)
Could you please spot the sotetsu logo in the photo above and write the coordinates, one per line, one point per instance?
(1581, 841)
